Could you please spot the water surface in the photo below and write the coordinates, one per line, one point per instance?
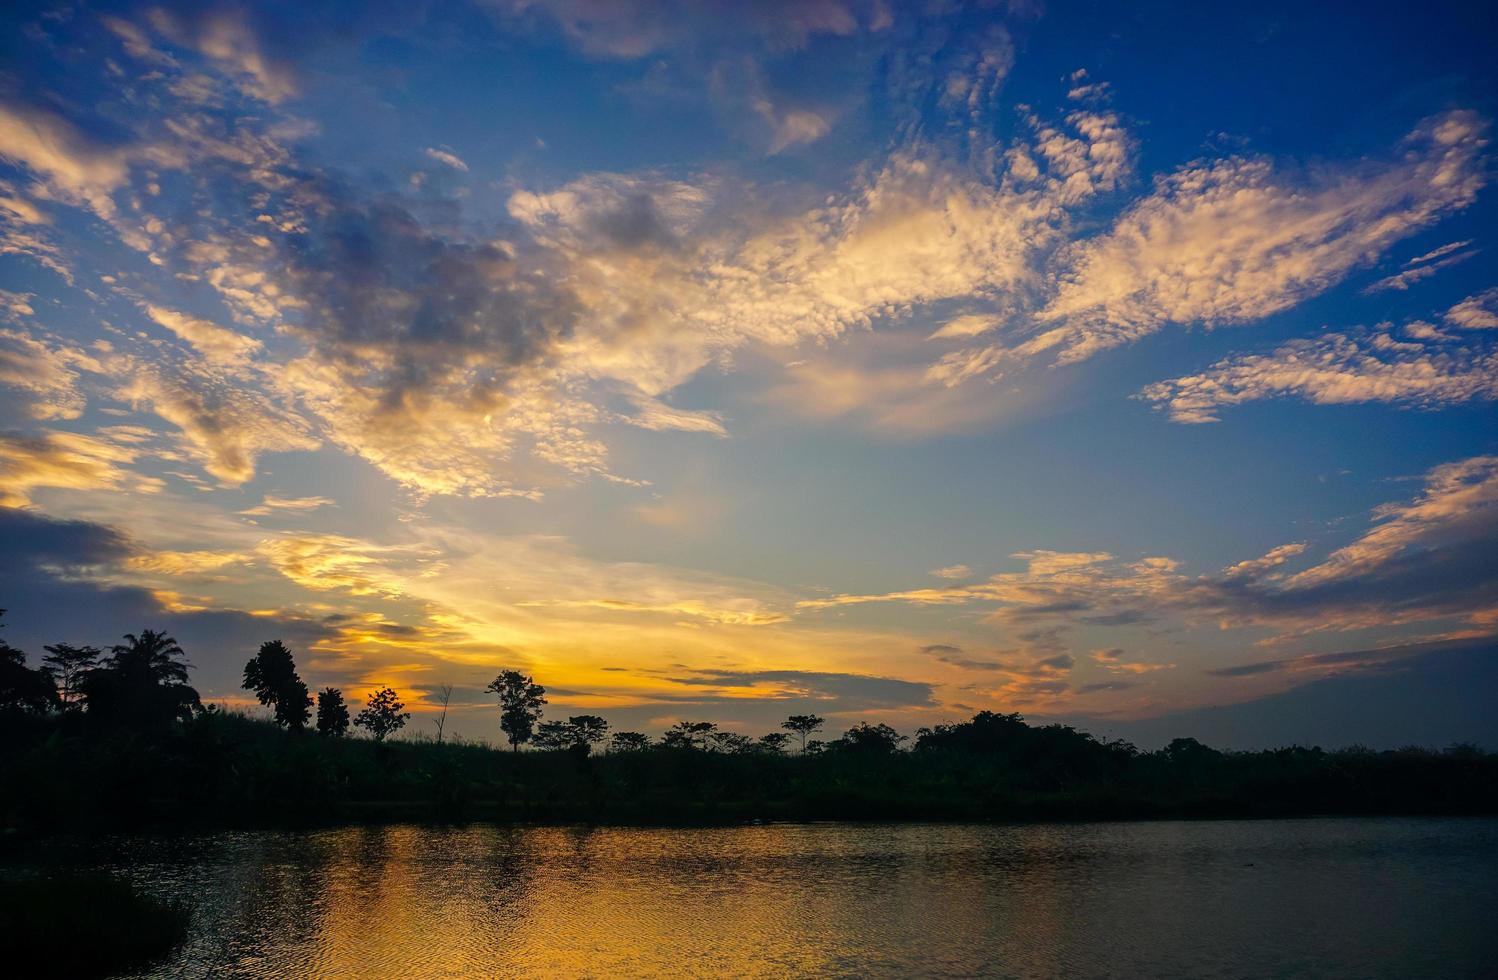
(1287, 898)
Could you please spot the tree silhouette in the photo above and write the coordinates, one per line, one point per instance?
(688, 734)
(21, 687)
(878, 739)
(68, 665)
(774, 743)
(271, 674)
(332, 713)
(578, 733)
(444, 696)
(520, 702)
(629, 742)
(382, 715)
(141, 684)
(803, 726)
(729, 742)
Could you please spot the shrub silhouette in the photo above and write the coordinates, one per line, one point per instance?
(23, 689)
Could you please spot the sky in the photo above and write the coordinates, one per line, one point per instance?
(1112, 363)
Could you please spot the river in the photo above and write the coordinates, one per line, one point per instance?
(1281, 898)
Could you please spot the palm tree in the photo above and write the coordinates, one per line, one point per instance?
(142, 683)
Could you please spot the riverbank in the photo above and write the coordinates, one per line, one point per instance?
(225, 770)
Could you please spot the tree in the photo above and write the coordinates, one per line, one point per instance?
(142, 684)
(688, 734)
(382, 714)
(774, 743)
(332, 713)
(587, 731)
(443, 696)
(23, 688)
(520, 702)
(551, 736)
(879, 739)
(577, 734)
(68, 665)
(803, 726)
(629, 742)
(729, 743)
(271, 675)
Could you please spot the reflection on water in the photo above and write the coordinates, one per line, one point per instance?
(1355, 898)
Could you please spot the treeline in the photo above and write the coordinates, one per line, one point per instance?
(109, 740)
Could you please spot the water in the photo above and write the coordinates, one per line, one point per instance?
(1290, 898)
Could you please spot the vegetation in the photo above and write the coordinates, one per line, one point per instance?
(136, 746)
(85, 926)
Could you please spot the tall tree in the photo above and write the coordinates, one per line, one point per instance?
(332, 713)
(520, 702)
(774, 743)
(271, 675)
(141, 684)
(689, 735)
(803, 726)
(383, 715)
(68, 665)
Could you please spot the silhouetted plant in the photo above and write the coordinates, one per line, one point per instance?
(629, 742)
(688, 735)
(141, 684)
(578, 733)
(271, 675)
(443, 696)
(68, 665)
(803, 726)
(23, 688)
(774, 743)
(864, 737)
(729, 742)
(383, 715)
(520, 702)
(332, 713)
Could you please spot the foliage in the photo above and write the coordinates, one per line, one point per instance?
(271, 675)
(383, 714)
(577, 734)
(69, 665)
(520, 702)
(629, 742)
(141, 685)
(803, 726)
(332, 713)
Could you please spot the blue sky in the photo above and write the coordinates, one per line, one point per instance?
(886, 360)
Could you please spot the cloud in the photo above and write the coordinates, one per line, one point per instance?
(1479, 312)
(635, 28)
(952, 571)
(46, 375)
(271, 503)
(845, 692)
(218, 345)
(1426, 559)
(1424, 266)
(65, 460)
(1235, 240)
(1336, 369)
(447, 158)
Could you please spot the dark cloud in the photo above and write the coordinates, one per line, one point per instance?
(847, 692)
(1430, 694)
(47, 601)
(1248, 670)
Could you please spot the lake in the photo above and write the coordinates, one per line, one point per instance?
(1283, 898)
